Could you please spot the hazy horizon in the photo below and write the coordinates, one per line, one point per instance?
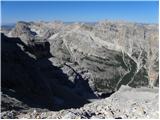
(133, 11)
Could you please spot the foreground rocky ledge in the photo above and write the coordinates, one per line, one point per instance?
(126, 103)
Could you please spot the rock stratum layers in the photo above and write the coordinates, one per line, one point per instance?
(65, 65)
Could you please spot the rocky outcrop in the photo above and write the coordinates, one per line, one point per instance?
(110, 53)
(35, 77)
(87, 61)
(22, 31)
(27, 30)
(19, 71)
(106, 54)
(127, 103)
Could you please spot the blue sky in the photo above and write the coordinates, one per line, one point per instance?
(143, 12)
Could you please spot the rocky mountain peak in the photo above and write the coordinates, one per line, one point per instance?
(71, 64)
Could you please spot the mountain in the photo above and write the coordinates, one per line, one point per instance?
(77, 62)
(5, 28)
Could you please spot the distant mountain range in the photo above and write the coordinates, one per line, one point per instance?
(8, 26)
(65, 65)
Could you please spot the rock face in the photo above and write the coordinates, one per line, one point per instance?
(18, 70)
(35, 77)
(40, 48)
(127, 103)
(29, 30)
(111, 53)
(106, 54)
(22, 30)
(76, 62)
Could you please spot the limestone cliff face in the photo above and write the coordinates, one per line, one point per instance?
(113, 53)
(106, 54)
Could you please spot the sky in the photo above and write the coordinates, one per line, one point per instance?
(135, 11)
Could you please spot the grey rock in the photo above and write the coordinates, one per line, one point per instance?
(22, 31)
(127, 103)
(102, 57)
(95, 51)
(80, 62)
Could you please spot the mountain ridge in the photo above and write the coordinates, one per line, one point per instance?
(88, 61)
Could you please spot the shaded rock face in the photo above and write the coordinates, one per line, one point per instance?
(67, 65)
(106, 54)
(37, 79)
(19, 72)
(40, 49)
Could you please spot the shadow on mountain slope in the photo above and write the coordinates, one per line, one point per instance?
(24, 79)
